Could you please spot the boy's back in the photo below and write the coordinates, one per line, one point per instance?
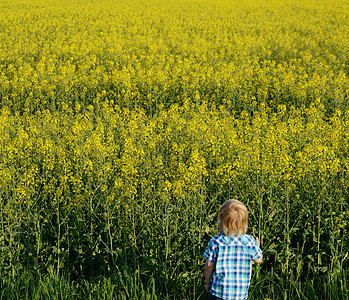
(233, 269)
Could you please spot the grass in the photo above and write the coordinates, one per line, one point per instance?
(127, 285)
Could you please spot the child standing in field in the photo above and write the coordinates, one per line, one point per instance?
(229, 255)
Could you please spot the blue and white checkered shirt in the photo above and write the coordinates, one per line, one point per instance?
(233, 256)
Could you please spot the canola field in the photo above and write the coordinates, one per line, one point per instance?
(124, 125)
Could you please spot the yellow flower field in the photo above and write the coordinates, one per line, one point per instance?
(125, 124)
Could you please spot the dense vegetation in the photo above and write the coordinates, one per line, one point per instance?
(124, 125)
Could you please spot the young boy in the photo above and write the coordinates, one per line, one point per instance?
(228, 266)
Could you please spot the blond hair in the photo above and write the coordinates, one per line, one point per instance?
(232, 218)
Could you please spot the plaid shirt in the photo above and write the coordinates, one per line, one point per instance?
(233, 270)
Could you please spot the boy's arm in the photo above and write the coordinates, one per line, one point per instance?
(209, 269)
(259, 244)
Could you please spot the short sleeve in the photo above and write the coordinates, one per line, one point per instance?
(256, 252)
(211, 251)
